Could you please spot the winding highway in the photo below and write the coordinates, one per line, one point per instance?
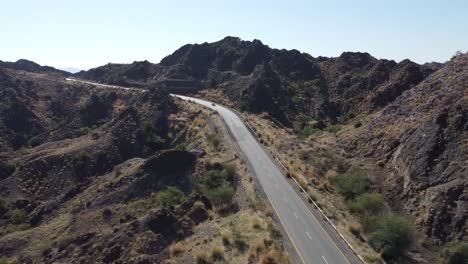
(312, 242)
(313, 239)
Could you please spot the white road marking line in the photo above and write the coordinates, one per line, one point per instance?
(276, 185)
(309, 235)
(295, 215)
(325, 259)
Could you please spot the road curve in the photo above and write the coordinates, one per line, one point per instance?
(313, 244)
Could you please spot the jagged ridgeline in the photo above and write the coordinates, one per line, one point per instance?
(284, 83)
(73, 154)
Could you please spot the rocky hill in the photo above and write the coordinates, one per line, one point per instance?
(422, 138)
(30, 66)
(406, 122)
(91, 174)
(287, 84)
(410, 119)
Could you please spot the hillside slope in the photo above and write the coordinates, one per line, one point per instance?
(422, 138)
(102, 175)
(287, 84)
(407, 120)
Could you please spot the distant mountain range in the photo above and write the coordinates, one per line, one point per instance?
(71, 69)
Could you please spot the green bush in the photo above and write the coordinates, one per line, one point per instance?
(333, 128)
(215, 178)
(301, 122)
(8, 229)
(81, 164)
(455, 253)
(369, 222)
(182, 147)
(367, 204)
(170, 196)
(229, 171)
(358, 124)
(81, 131)
(94, 136)
(152, 138)
(393, 236)
(309, 131)
(221, 195)
(34, 141)
(352, 183)
(18, 216)
(349, 115)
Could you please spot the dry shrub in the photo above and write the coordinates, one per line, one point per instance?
(303, 185)
(257, 249)
(176, 249)
(217, 253)
(274, 256)
(355, 229)
(269, 211)
(257, 223)
(226, 237)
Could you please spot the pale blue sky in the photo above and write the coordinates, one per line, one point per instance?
(86, 33)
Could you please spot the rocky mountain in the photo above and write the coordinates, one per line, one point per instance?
(421, 137)
(30, 66)
(91, 174)
(135, 74)
(285, 83)
(408, 122)
(408, 118)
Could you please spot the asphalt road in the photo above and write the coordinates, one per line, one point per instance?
(310, 236)
(313, 244)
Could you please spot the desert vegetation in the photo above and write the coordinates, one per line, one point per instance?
(388, 233)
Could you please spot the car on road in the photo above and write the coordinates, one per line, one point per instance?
(213, 104)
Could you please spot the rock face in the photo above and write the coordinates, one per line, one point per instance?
(284, 83)
(422, 136)
(413, 117)
(107, 145)
(82, 158)
(75, 134)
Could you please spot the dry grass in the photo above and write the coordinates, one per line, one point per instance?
(176, 249)
(256, 250)
(321, 158)
(274, 256)
(226, 237)
(257, 223)
(217, 254)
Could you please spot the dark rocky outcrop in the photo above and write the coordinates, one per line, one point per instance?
(30, 66)
(283, 83)
(422, 137)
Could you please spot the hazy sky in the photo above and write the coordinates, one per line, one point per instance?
(87, 34)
